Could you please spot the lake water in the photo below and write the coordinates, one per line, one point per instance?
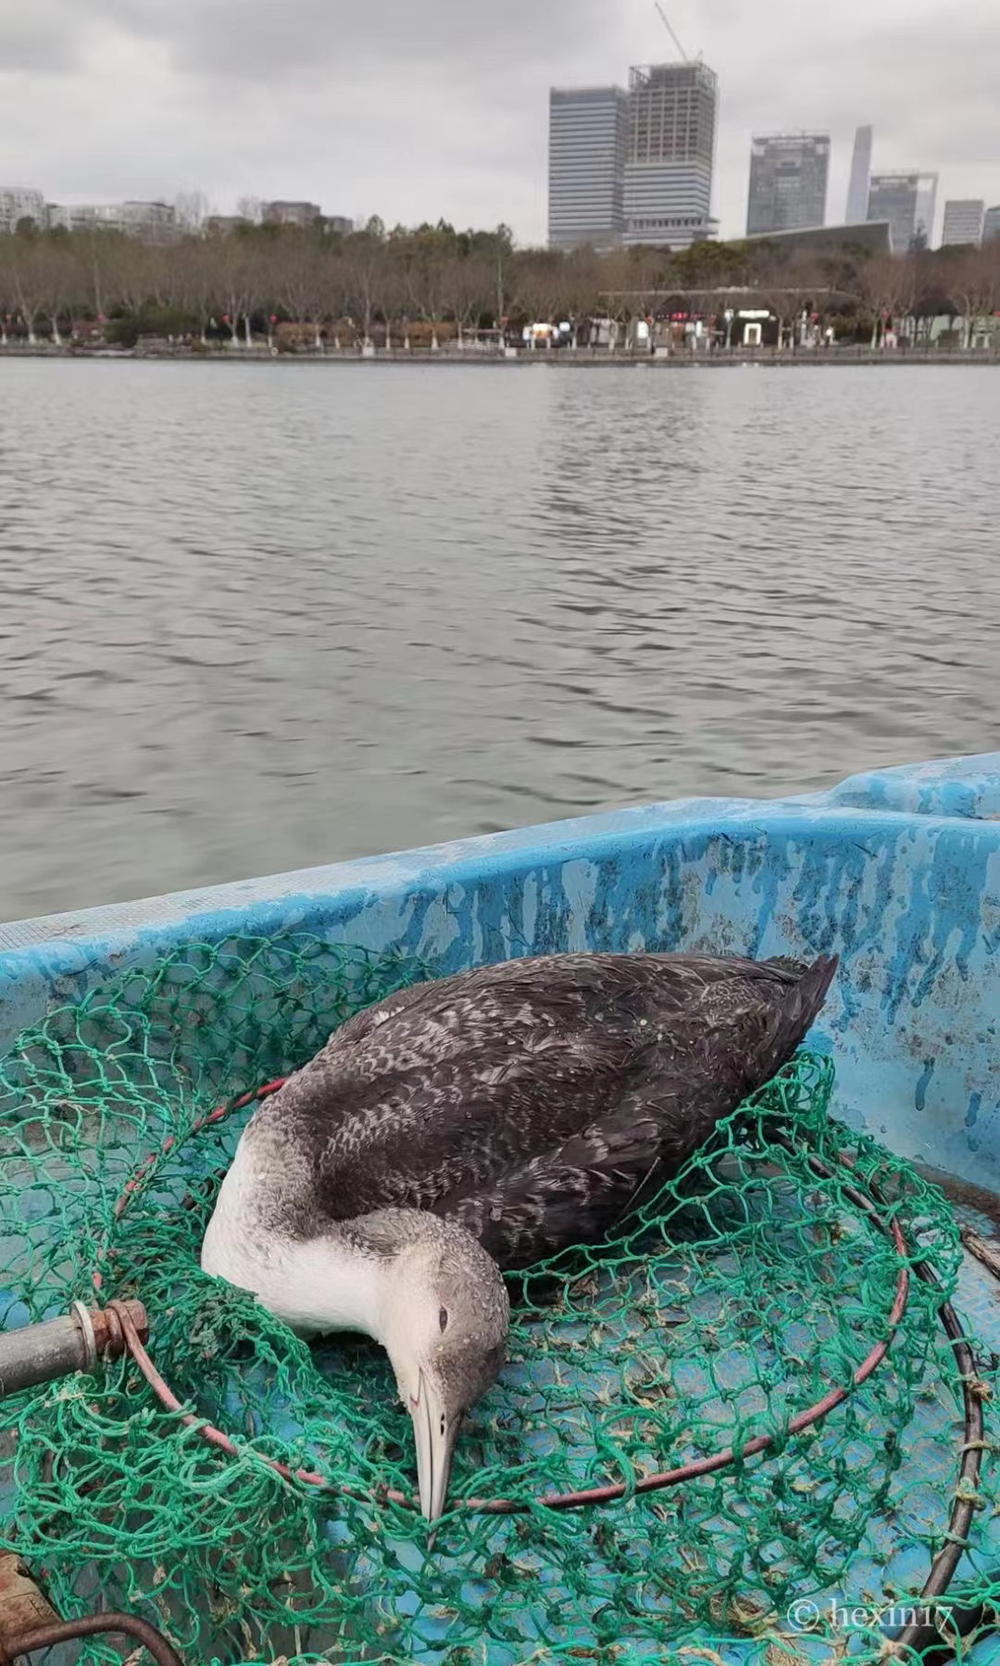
(263, 616)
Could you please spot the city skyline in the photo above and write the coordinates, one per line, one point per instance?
(124, 101)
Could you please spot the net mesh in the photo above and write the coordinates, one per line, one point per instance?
(739, 1297)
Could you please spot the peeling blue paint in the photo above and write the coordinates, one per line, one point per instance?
(923, 1083)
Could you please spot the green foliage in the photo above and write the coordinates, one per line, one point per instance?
(742, 1294)
(121, 332)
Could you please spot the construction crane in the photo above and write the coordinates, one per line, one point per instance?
(664, 19)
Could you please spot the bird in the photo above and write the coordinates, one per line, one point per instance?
(474, 1124)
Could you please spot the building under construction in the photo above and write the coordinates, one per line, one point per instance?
(634, 167)
(672, 116)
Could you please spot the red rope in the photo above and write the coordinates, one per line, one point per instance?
(690, 1471)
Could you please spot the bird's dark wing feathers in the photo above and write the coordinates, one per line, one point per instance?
(544, 1089)
(574, 1194)
(578, 1191)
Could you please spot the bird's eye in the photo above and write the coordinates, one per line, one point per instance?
(443, 1318)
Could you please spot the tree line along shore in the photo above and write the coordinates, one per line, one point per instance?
(433, 287)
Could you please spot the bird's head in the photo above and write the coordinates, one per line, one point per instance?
(443, 1314)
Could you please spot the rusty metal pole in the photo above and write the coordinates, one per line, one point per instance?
(36, 1354)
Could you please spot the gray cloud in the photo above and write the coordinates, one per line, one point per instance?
(415, 108)
(39, 42)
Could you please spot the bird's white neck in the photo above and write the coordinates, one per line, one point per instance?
(315, 1285)
(325, 1284)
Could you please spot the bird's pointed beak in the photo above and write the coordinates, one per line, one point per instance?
(436, 1434)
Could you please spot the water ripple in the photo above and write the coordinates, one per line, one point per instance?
(258, 619)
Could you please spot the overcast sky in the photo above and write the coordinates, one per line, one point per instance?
(414, 109)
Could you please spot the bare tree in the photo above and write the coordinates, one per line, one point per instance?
(195, 283)
(133, 275)
(235, 283)
(615, 290)
(190, 211)
(262, 281)
(632, 282)
(250, 209)
(784, 284)
(886, 285)
(302, 270)
(364, 271)
(581, 285)
(29, 270)
(59, 281)
(973, 287)
(7, 301)
(907, 291)
(466, 290)
(98, 256)
(544, 287)
(426, 260)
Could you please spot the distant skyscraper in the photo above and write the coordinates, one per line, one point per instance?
(672, 111)
(788, 174)
(587, 135)
(861, 168)
(907, 201)
(963, 221)
(991, 225)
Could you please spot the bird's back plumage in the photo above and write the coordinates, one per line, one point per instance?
(528, 1101)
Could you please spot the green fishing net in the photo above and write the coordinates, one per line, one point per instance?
(755, 1285)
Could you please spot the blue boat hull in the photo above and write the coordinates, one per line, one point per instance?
(898, 872)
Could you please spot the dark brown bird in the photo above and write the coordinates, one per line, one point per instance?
(476, 1124)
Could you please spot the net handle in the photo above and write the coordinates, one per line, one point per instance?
(59, 1632)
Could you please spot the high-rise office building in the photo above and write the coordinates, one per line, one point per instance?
(788, 175)
(672, 115)
(907, 201)
(861, 168)
(587, 136)
(963, 221)
(991, 225)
